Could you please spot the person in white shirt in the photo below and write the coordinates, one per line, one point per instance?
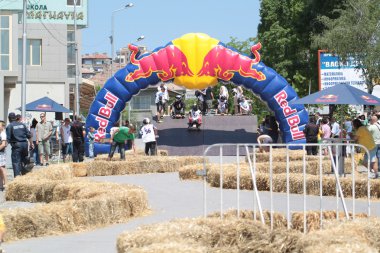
(245, 106)
(3, 156)
(160, 103)
(374, 129)
(149, 133)
(67, 139)
(335, 128)
(165, 97)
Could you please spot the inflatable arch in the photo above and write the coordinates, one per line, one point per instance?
(196, 61)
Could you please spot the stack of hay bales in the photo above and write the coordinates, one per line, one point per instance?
(243, 235)
(69, 204)
(207, 235)
(262, 167)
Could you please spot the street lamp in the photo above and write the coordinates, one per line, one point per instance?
(129, 103)
(112, 37)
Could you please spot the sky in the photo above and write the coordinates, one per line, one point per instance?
(162, 21)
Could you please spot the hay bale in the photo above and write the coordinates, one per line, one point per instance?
(139, 152)
(313, 220)
(74, 215)
(295, 182)
(79, 169)
(144, 164)
(206, 235)
(349, 236)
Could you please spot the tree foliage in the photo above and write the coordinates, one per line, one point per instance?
(285, 31)
(355, 33)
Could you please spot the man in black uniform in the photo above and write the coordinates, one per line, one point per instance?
(18, 136)
(78, 133)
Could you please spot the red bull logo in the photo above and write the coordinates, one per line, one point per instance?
(106, 111)
(168, 62)
(221, 62)
(101, 130)
(293, 121)
(330, 98)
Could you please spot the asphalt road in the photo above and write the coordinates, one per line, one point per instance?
(178, 140)
(169, 198)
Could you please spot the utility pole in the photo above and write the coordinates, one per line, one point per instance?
(23, 77)
(77, 92)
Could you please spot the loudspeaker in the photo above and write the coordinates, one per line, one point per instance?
(58, 116)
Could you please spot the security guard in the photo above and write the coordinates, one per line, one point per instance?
(18, 136)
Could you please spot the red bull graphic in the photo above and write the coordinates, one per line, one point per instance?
(327, 98)
(197, 61)
(220, 62)
(168, 63)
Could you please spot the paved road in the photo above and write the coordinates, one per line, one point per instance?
(169, 198)
(175, 137)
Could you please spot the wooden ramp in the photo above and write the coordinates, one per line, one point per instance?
(178, 140)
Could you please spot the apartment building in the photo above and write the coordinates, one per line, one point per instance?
(50, 53)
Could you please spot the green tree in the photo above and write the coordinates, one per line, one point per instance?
(355, 33)
(285, 31)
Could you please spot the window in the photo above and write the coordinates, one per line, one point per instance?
(141, 102)
(33, 52)
(5, 42)
(71, 2)
(87, 62)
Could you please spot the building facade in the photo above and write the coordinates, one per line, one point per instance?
(50, 53)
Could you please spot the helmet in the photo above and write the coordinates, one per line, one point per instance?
(146, 121)
(195, 107)
(178, 97)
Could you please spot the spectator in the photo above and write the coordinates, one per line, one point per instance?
(311, 134)
(363, 137)
(118, 138)
(149, 133)
(18, 136)
(318, 118)
(273, 129)
(67, 139)
(43, 132)
(200, 99)
(326, 134)
(222, 105)
(264, 139)
(3, 156)
(78, 133)
(91, 140)
(36, 156)
(209, 97)
(374, 129)
(238, 93)
(363, 119)
(165, 98)
(223, 92)
(160, 104)
(335, 128)
(245, 106)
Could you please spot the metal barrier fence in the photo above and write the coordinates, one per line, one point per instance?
(250, 151)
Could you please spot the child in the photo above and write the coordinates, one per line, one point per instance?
(149, 133)
(91, 139)
(3, 163)
(222, 105)
(195, 117)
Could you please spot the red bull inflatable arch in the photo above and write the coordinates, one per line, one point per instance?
(196, 61)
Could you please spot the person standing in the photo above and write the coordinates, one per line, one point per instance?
(335, 128)
(209, 97)
(160, 104)
(3, 156)
(326, 134)
(374, 129)
(36, 156)
(118, 139)
(311, 131)
(91, 140)
(43, 132)
(67, 139)
(78, 133)
(18, 136)
(149, 133)
(363, 137)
